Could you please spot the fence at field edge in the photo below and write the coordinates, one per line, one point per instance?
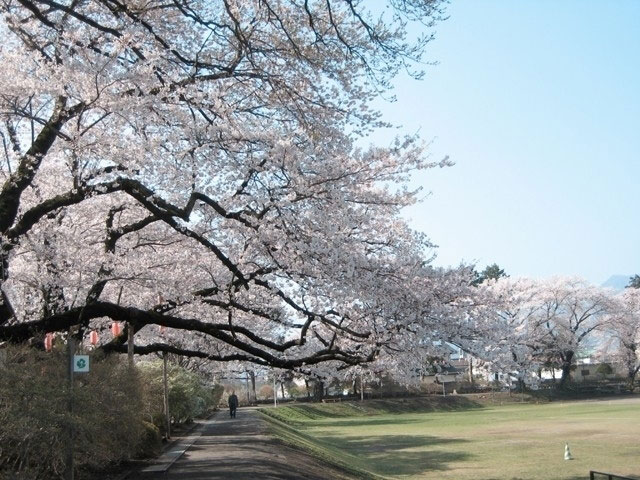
(606, 476)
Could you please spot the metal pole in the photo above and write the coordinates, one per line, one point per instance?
(166, 394)
(361, 389)
(247, 382)
(275, 392)
(130, 344)
(69, 461)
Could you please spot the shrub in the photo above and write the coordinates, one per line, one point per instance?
(604, 369)
(35, 418)
(114, 410)
(151, 443)
(265, 392)
(189, 397)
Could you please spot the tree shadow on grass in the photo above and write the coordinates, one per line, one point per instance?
(427, 404)
(369, 421)
(400, 454)
(384, 407)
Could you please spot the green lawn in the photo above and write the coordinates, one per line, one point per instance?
(417, 439)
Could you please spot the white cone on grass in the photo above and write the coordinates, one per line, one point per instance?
(567, 452)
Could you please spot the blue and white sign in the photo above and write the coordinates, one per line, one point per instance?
(80, 363)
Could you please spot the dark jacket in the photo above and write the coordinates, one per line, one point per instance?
(233, 401)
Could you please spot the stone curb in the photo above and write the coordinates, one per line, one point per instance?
(173, 451)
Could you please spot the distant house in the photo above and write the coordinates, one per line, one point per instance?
(444, 379)
(588, 371)
(461, 360)
(449, 374)
(453, 368)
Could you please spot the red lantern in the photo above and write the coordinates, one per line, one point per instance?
(116, 329)
(93, 338)
(48, 342)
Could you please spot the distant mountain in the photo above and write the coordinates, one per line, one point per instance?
(617, 282)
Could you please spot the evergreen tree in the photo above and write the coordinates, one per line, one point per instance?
(634, 282)
(493, 272)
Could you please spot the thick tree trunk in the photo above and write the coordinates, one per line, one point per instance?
(11, 191)
(6, 310)
(318, 390)
(252, 377)
(567, 358)
(631, 377)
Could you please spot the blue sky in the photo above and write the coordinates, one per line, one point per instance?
(538, 103)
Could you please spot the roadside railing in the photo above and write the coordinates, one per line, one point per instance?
(593, 475)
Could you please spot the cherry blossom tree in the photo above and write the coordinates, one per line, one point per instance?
(517, 339)
(571, 310)
(539, 323)
(624, 329)
(196, 165)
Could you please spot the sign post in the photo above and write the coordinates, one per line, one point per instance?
(71, 348)
(77, 364)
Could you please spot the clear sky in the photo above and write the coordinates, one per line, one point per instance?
(538, 103)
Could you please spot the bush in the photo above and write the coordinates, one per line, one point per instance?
(113, 418)
(216, 394)
(265, 392)
(35, 419)
(189, 397)
(151, 443)
(604, 369)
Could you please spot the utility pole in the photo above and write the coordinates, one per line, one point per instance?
(252, 376)
(247, 382)
(130, 344)
(165, 385)
(275, 392)
(71, 350)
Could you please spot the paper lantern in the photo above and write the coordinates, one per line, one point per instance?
(163, 329)
(116, 329)
(48, 342)
(93, 338)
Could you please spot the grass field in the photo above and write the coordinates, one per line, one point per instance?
(468, 440)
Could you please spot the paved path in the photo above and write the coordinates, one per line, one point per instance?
(165, 461)
(242, 449)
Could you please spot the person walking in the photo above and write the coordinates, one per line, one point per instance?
(233, 404)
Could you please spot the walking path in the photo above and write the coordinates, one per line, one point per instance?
(165, 461)
(239, 448)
